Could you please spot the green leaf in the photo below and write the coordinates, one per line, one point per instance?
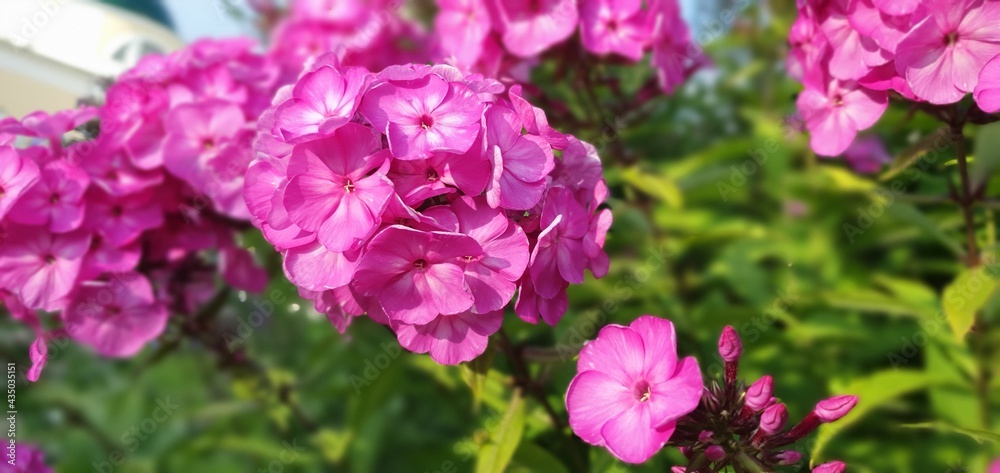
(530, 458)
(987, 153)
(873, 391)
(332, 444)
(476, 371)
(913, 153)
(909, 214)
(977, 435)
(496, 454)
(654, 185)
(968, 293)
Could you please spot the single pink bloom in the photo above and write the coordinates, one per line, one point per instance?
(264, 191)
(332, 189)
(17, 174)
(531, 307)
(450, 339)
(316, 268)
(196, 133)
(41, 267)
(631, 389)
(675, 56)
(116, 318)
(322, 101)
(834, 112)
(867, 155)
(851, 54)
(462, 26)
(240, 271)
(417, 275)
(942, 56)
(492, 276)
(615, 26)
(530, 27)
(39, 355)
(56, 200)
(104, 257)
(987, 93)
(424, 115)
(559, 254)
(122, 220)
(520, 162)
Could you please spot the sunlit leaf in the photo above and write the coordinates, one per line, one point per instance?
(496, 454)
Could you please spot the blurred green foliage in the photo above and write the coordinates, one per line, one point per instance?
(722, 216)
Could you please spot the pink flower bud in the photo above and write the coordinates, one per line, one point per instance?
(706, 436)
(730, 347)
(759, 393)
(715, 453)
(787, 457)
(829, 410)
(678, 469)
(773, 419)
(830, 467)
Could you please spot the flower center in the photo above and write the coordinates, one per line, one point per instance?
(838, 100)
(951, 38)
(349, 186)
(2, 191)
(54, 198)
(49, 259)
(426, 121)
(432, 175)
(420, 263)
(113, 310)
(116, 211)
(207, 144)
(642, 391)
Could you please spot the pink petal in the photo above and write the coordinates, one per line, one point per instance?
(592, 399)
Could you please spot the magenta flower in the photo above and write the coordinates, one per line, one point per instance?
(17, 174)
(41, 267)
(424, 115)
(29, 460)
(322, 101)
(316, 268)
(834, 467)
(332, 189)
(532, 307)
(631, 389)
(118, 317)
(462, 26)
(121, 221)
(492, 276)
(987, 93)
(39, 356)
(195, 135)
(418, 180)
(556, 260)
(532, 26)
(835, 111)
(240, 271)
(450, 339)
(942, 56)
(614, 26)
(854, 54)
(56, 200)
(897, 7)
(520, 162)
(417, 275)
(867, 155)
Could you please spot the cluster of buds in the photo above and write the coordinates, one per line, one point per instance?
(744, 426)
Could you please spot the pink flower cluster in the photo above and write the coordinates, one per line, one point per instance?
(501, 38)
(110, 231)
(851, 54)
(368, 33)
(425, 198)
(633, 396)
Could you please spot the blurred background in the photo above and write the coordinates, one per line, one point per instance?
(722, 216)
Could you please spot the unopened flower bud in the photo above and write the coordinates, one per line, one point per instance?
(773, 419)
(759, 394)
(678, 469)
(730, 347)
(715, 453)
(705, 436)
(830, 467)
(787, 457)
(829, 410)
